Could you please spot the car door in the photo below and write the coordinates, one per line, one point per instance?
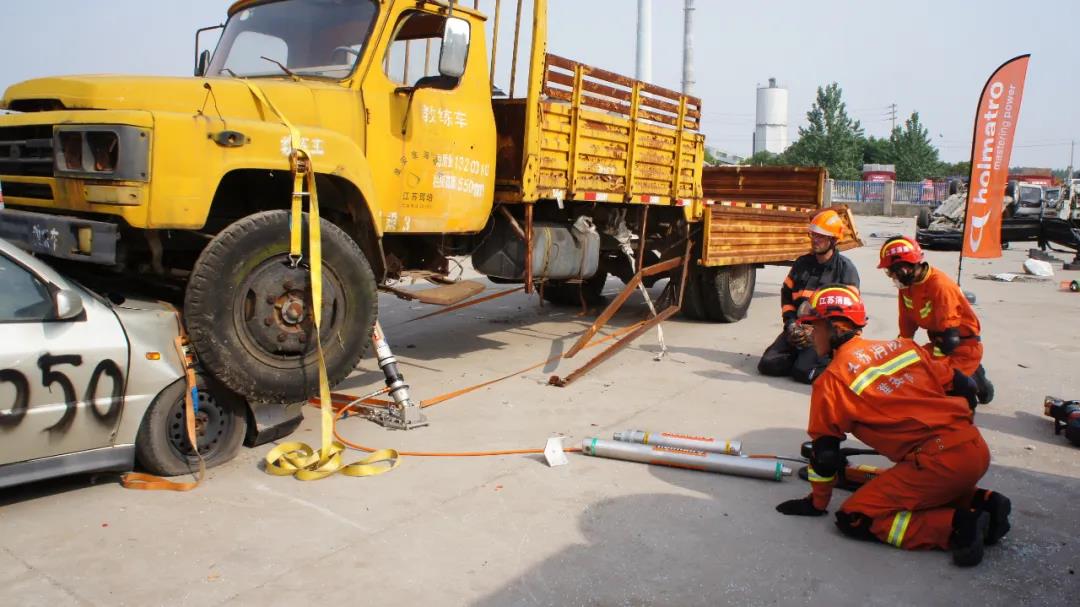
(62, 371)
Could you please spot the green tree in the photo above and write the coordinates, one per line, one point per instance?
(832, 139)
(955, 169)
(877, 151)
(764, 158)
(912, 153)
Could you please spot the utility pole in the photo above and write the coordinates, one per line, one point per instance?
(688, 50)
(892, 117)
(644, 40)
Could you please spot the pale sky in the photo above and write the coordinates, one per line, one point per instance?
(933, 57)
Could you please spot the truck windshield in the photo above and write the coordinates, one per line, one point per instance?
(320, 38)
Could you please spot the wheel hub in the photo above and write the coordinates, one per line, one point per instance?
(274, 309)
(212, 425)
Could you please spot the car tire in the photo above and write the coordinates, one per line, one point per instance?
(923, 220)
(727, 291)
(237, 300)
(162, 446)
(562, 293)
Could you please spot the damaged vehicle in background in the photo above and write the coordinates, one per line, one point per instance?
(943, 228)
(92, 384)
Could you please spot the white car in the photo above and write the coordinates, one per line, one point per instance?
(88, 384)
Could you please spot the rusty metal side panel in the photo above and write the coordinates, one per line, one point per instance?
(800, 187)
(738, 235)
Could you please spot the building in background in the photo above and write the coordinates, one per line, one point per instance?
(771, 130)
(879, 172)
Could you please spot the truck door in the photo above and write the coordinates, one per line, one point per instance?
(431, 134)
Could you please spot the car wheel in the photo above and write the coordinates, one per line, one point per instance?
(248, 309)
(923, 220)
(162, 446)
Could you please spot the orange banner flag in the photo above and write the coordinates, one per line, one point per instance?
(991, 147)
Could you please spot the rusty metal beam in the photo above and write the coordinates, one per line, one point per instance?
(562, 382)
(619, 300)
(513, 223)
(528, 247)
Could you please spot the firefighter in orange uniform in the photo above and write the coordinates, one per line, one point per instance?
(929, 299)
(892, 396)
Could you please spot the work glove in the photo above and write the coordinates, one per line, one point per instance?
(965, 386)
(799, 336)
(804, 506)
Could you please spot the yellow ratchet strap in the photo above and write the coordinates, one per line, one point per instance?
(296, 458)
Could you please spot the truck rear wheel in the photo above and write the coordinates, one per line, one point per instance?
(727, 291)
(562, 293)
(248, 309)
(693, 301)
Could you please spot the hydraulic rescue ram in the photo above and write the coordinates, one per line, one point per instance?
(680, 441)
(770, 469)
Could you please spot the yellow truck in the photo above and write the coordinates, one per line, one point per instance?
(566, 175)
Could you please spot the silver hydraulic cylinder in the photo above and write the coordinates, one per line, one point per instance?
(404, 414)
(681, 441)
(770, 469)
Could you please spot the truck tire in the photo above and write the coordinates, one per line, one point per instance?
(923, 220)
(247, 309)
(562, 293)
(693, 302)
(727, 291)
(161, 444)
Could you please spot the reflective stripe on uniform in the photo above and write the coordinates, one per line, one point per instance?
(872, 374)
(910, 305)
(899, 528)
(938, 353)
(926, 309)
(814, 477)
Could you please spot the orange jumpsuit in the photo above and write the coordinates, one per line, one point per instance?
(891, 396)
(936, 303)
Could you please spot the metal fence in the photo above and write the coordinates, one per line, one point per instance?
(858, 191)
(910, 192)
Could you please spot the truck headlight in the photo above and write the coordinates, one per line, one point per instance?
(116, 152)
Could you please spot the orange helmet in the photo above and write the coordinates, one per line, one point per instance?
(900, 249)
(828, 223)
(836, 301)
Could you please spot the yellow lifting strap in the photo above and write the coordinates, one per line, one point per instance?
(295, 458)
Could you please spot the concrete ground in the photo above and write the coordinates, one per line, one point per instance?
(512, 531)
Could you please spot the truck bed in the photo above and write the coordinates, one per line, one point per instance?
(760, 214)
(603, 137)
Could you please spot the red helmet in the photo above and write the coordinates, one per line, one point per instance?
(836, 301)
(900, 249)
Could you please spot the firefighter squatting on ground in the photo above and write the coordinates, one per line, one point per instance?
(913, 404)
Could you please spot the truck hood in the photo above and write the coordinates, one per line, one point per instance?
(170, 94)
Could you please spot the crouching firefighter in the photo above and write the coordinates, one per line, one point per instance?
(929, 299)
(892, 396)
(791, 353)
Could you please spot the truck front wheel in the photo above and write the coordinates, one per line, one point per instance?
(248, 309)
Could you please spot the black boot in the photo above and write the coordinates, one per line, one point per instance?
(999, 507)
(985, 392)
(969, 534)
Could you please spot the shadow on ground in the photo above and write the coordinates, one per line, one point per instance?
(716, 540)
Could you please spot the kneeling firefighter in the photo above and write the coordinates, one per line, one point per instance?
(791, 353)
(892, 396)
(929, 299)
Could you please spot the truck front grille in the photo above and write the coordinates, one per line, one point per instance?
(26, 151)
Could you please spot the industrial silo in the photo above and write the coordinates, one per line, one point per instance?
(771, 131)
